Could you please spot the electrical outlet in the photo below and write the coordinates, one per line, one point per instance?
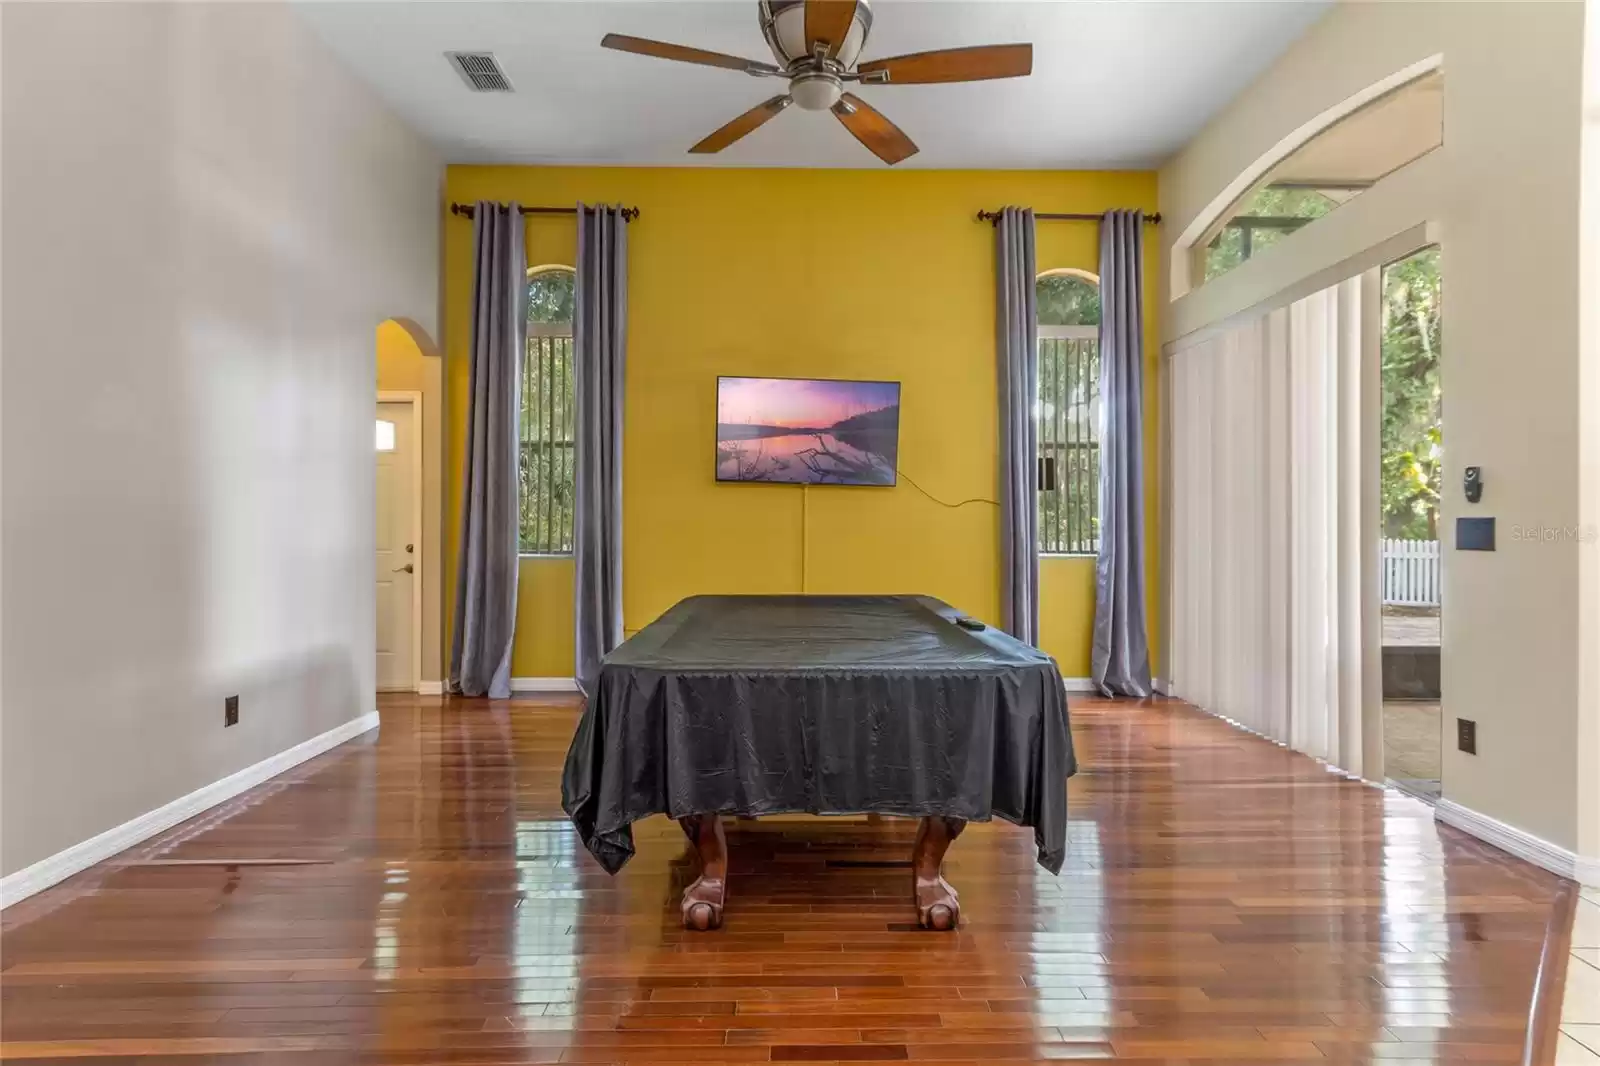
(1467, 735)
(230, 711)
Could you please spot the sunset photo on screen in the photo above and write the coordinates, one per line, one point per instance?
(807, 431)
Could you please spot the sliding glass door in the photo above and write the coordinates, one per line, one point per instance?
(1412, 457)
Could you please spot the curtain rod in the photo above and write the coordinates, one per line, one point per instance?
(465, 211)
(994, 216)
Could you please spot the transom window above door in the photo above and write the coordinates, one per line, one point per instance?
(1333, 167)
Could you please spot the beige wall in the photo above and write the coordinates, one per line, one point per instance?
(1501, 195)
(205, 221)
(1589, 458)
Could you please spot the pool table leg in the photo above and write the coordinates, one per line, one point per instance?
(936, 900)
(703, 900)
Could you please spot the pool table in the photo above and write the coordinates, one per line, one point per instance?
(753, 705)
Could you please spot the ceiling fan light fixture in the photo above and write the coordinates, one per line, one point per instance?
(815, 92)
(783, 23)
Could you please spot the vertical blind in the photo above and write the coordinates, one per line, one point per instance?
(1265, 578)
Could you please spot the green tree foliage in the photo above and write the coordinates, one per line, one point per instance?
(1227, 250)
(1413, 430)
(1067, 300)
(550, 295)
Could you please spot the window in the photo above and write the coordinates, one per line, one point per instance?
(1271, 213)
(1069, 413)
(1333, 167)
(545, 496)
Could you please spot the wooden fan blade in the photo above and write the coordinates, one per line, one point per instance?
(829, 20)
(621, 42)
(979, 63)
(744, 124)
(882, 138)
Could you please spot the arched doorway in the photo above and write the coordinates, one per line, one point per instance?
(409, 393)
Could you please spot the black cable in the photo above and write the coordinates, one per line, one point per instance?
(935, 499)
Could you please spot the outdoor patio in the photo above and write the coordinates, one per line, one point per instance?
(1411, 727)
(1410, 627)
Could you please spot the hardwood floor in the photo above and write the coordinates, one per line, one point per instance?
(416, 896)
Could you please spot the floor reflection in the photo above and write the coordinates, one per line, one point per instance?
(424, 899)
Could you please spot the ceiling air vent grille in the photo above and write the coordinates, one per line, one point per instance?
(481, 71)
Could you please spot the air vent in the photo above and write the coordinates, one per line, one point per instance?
(481, 71)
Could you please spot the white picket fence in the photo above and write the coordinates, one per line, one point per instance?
(1411, 572)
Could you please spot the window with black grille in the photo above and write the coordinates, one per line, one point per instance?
(1069, 413)
(545, 465)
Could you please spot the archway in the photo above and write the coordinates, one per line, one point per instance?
(409, 367)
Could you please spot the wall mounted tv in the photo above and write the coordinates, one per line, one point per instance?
(806, 431)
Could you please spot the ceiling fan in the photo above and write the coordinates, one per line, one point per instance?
(817, 44)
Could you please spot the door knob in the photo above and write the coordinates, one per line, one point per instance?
(408, 568)
(410, 548)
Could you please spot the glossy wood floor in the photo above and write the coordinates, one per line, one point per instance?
(1223, 901)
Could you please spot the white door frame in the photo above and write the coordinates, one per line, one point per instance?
(414, 398)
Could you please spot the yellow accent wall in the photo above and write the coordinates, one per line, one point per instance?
(802, 273)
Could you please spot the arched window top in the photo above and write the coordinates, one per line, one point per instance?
(1321, 165)
(1068, 297)
(551, 289)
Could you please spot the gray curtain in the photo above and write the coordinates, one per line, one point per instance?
(600, 341)
(486, 572)
(1017, 351)
(1120, 661)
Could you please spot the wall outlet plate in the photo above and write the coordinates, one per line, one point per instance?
(1467, 735)
(230, 711)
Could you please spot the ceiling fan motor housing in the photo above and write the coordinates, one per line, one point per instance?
(783, 24)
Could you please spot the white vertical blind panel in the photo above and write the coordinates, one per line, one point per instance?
(1265, 588)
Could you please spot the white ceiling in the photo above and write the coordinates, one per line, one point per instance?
(1116, 83)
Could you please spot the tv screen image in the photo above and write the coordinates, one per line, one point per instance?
(807, 431)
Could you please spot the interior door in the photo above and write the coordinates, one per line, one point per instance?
(396, 568)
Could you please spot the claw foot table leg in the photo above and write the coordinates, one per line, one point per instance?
(703, 900)
(937, 907)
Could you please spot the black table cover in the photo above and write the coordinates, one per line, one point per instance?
(825, 705)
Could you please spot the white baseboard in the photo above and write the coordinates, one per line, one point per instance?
(430, 688)
(1518, 842)
(544, 684)
(1086, 684)
(79, 857)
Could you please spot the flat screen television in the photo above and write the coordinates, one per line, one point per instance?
(807, 431)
